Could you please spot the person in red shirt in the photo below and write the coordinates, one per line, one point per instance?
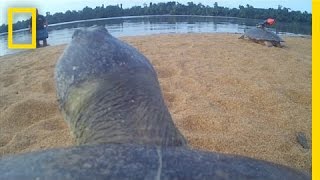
(268, 22)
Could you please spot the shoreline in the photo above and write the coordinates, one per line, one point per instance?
(288, 35)
(225, 95)
(131, 17)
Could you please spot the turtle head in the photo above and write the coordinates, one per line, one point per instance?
(92, 35)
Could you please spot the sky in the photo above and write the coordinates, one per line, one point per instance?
(54, 6)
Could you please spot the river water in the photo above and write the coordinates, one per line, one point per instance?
(149, 25)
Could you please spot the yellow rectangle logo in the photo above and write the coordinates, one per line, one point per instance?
(11, 11)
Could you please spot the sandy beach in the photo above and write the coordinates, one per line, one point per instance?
(225, 95)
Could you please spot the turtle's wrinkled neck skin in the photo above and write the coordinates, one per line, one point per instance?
(109, 93)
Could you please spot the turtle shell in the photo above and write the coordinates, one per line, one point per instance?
(261, 34)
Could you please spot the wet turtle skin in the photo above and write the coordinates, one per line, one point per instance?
(259, 35)
(97, 78)
(128, 161)
(108, 92)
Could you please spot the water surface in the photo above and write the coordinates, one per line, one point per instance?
(148, 25)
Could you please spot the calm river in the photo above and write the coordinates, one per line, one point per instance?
(149, 25)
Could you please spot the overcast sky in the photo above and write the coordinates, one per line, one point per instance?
(64, 5)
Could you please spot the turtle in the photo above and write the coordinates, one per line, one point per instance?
(263, 36)
(109, 94)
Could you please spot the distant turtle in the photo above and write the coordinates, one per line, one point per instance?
(110, 96)
(263, 36)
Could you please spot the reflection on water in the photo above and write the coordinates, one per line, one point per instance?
(22, 37)
(147, 25)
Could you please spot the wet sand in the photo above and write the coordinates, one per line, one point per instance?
(225, 95)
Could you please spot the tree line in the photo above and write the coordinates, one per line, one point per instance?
(281, 14)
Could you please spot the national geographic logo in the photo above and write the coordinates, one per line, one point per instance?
(11, 12)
